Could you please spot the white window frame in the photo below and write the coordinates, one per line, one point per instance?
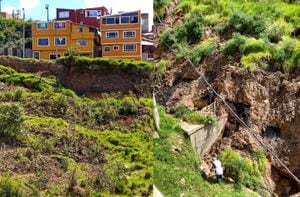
(134, 33)
(64, 14)
(60, 44)
(125, 17)
(36, 52)
(99, 13)
(117, 46)
(112, 23)
(82, 45)
(107, 47)
(58, 55)
(126, 50)
(37, 25)
(59, 22)
(117, 33)
(43, 45)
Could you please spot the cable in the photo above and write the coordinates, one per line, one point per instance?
(251, 131)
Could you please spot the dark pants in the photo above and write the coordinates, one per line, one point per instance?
(219, 178)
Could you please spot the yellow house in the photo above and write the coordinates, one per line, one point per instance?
(121, 35)
(51, 39)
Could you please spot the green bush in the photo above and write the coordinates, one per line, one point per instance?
(105, 63)
(159, 7)
(10, 187)
(251, 61)
(253, 45)
(6, 70)
(247, 24)
(232, 46)
(244, 171)
(277, 29)
(193, 117)
(12, 119)
(205, 49)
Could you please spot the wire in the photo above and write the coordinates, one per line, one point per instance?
(205, 81)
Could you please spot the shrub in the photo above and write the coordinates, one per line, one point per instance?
(253, 45)
(181, 111)
(244, 171)
(193, 117)
(10, 187)
(6, 70)
(12, 119)
(204, 49)
(194, 26)
(232, 46)
(278, 29)
(159, 7)
(247, 24)
(251, 61)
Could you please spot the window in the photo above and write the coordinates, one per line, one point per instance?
(111, 20)
(125, 19)
(82, 42)
(129, 47)
(43, 41)
(93, 13)
(80, 29)
(116, 47)
(36, 55)
(60, 25)
(64, 14)
(134, 19)
(42, 25)
(111, 34)
(60, 41)
(129, 34)
(106, 49)
(53, 56)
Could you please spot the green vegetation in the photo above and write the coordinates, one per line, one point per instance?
(244, 171)
(12, 32)
(73, 144)
(159, 7)
(11, 119)
(193, 117)
(106, 63)
(176, 169)
(10, 187)
(254, 34)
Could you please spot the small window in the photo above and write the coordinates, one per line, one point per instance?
(129, 47)
(42, 25)
(111, 20)
(125, 19)
(43, 41)
(53, 56)
(80, 29)
(82, 42)
(93, 13)
(36, 55)
(116, 47)
(129, 34)
(111, 34)
(134, 19)
(60, 41)
(107, 49)
(60, 25)
(64, 14)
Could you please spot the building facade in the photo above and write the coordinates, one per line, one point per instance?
(51, 39)
(86, 16)
(121, 35)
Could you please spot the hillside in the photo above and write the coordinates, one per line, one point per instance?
(249, 52)
(55, 143)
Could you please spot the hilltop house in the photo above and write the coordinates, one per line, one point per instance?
(51, 38)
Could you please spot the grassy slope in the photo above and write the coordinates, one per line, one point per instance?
(107, 142)
(176, 169)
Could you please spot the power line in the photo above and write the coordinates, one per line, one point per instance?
(197, 74)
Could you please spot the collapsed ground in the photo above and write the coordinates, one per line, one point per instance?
(250, 53)
(54, 143)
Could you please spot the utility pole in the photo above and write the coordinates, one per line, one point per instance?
(47, 8)
(23, 32)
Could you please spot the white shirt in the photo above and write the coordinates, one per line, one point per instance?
(218, 166)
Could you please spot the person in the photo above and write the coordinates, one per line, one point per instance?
(218, 169)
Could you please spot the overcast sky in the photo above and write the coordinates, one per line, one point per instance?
(35, 9)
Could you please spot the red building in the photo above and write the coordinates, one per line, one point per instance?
(86, 16)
